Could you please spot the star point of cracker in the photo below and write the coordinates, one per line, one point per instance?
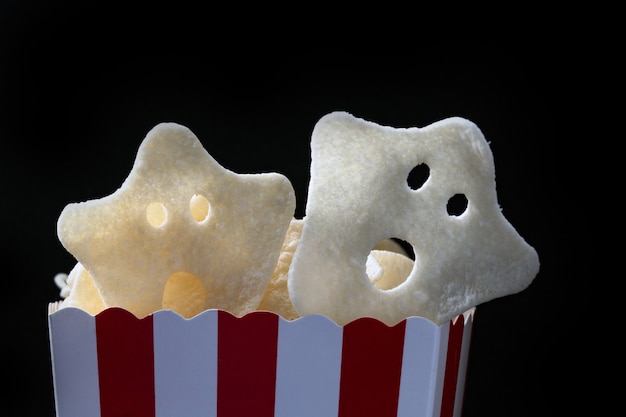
(179, 211)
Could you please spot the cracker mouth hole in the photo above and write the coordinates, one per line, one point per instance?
(390, 263)
(184, 293)
(406, 247)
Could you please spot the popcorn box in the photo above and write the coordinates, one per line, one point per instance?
(215, 364)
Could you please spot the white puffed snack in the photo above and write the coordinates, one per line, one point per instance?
(359, 195)
(276, 298)
(82, 293)
(180, 215)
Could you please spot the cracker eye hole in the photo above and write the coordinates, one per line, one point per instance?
(457, 204)
(418, 176)
(156, 214)
(199, 207)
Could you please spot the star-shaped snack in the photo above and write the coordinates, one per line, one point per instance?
(181, 219)
(361, 192)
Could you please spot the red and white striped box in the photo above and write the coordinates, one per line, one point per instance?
(215, 364)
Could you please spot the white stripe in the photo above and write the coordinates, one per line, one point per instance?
(423, 367)
(308, 367)
(444, 335)
(185, 364)
(74, 363)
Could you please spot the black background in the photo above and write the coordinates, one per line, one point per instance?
(81, 85)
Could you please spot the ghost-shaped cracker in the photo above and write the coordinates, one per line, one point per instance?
(359, 194)
(179, 214)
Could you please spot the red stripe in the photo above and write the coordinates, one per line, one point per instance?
(246, 368)
(371, 364)
(453, 357)
(125, 364)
